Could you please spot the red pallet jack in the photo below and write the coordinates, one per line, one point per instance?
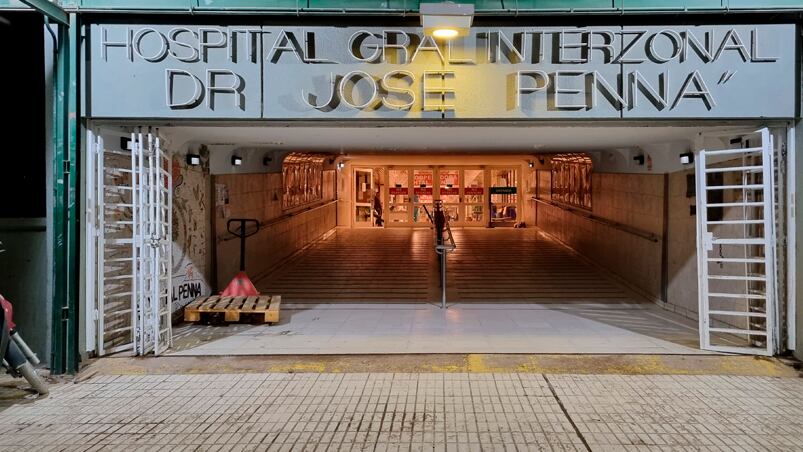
(241, 285)
(240, 298)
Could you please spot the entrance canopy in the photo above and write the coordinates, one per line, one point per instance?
(456, 137)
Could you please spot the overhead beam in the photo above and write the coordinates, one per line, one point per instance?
(51, 10)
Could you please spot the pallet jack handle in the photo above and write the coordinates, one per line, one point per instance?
(242, 234)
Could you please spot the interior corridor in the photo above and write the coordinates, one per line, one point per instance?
(515, 265)
(399, 265)
(358, 265)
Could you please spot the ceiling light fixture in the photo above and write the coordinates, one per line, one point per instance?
(446, 20)
(686, 158)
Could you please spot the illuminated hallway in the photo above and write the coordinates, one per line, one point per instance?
(393, 265)
(524, 265)
(359, 265)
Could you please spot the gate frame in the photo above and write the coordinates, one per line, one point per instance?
(705, 241)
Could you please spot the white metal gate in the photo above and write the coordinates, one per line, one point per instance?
(736, 249)
(130, 219)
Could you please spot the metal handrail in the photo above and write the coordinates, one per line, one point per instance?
(279, 219)
(604, 221)
(446, 246)
(442, 249)
(450, 238)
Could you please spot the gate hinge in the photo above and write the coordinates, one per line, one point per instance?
(66, 167)
(65, 314)
(708, 241)
(97, 314)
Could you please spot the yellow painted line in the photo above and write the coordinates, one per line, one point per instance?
(472, 363)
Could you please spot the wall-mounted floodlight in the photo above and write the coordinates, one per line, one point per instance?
(193, 159)
(446, 20)
(341, 165)
(639, 159)
(686, 158)
(236, 161)
(530, 164)
(267, 160)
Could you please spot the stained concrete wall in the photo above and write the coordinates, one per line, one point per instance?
(682, 247)
(259, 196)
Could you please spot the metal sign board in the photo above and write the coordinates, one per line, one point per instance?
(274, 72)
(503, 190)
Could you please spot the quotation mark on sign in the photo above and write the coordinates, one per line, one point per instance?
(725, 77)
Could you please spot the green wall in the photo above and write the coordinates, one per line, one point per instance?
(400, 6)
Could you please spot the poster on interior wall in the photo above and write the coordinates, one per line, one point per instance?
(422, 178)
(221, 201)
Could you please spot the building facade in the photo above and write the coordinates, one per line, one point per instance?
(655, 139)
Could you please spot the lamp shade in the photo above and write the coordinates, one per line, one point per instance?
(446, 20)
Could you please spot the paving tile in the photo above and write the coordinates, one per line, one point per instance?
(401, 411)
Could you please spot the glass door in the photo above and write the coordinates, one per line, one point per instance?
(474, 197)
(504, 196)
(422, 194)
(449, 192)
(398, 196)
(363, 197)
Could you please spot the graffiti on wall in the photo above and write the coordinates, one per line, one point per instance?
(190, 205)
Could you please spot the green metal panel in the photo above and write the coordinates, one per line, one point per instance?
(491, 5)
(361, 5)
(561, 5)
(12, 4)
(764, 4)
(154, 5)
(396, 6)
(270, 5)
(673, 5)
(51, 10)
(65, 215)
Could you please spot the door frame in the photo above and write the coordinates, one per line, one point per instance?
(519, 186)
(371, 222)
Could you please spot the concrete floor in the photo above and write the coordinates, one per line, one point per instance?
(514, 291)
(338, 329)
(411, 412)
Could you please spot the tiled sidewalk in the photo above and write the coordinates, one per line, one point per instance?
(451, 411)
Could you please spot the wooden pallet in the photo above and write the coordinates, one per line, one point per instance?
(232, 308)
